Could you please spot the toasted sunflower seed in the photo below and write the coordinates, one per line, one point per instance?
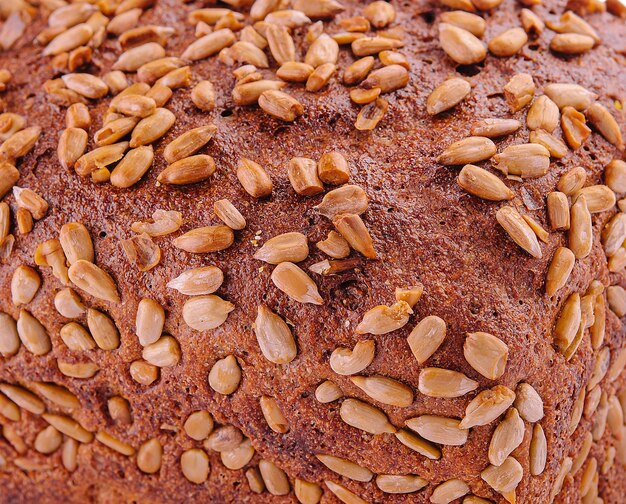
(543, 114)
(353, 229)
(72, 145)
(571, 43)
(385, 390)
(383, 319)
(103, 330)
(449, 491)
(224, 438)
(400, 484)
(24, 398)
(294, 282)
(600, 198)
(204, 313)
(473, 23)
(508, 435)
(335, 246)
(143, 372)
(273, 415)
(99, 158)
(93, 280)
(164, 222)
(333, 168)
(555, 146)
(69, 427)
(558, 210)
(115, 444)
(69, 39)
(307, 492)
(524, 160)
(575, 129)
(76, 337)
(199, 425)
(614, 175)
(483, 184)
(274, 478)
(9, 337)
(348, 199)
(25, 283)
(206, 239)
(460, 45)
(372, 113)
(346, 468)
(508, 42)
(504, 478)
(559, 270)
(580, 232)
(31, 201)
(294, 71)
(291, 247)
(152, 128)
(518, 230)
(438, 429)
(437, 382)
(486, 354)
(363, 416)
(225, 375)
(33, 334)
(491, 128)
(600, 117)
(468, 150)
(388, 78)
(9, 175)
(568, 322)
(426, 337)
(280, 105)
(194, 464)
(327, 392)
(149, 456)
(86, 85)
(281, 44)
(149, 322)
(81, 370)
(538, 451)
(254, 178)
(188, 143)
(344, 361)
(519, 91)
(188, 170)
(358, 70)
(320, 77)
(571, 95)
(76, 242)
(238, 457)
(487, 406)
(198, 281)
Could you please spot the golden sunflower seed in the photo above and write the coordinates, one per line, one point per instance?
(372, 113)
(614, 234)
(470, 22)
(103, 330)
(341, 492)
(353, 229)
(198, 281)
(615, 418)
(460, 45)
(519, 91)
(149, 322)
(575, 129)
(483, 184)
(204, 313)
(254, 178)
(518, 230)
(225, 375)
(99, 158)
(116, 80)
(9, 338)
(19, 144)
(437, 382)
(224, 438)
(77, 116)
(504, 478)
(486, 354)
(568, 322)
(366, 46)
(86, 85)
(152, 128)
(307, 492)
(416, 443)
(468, 150)
(255, 481)
(400, 484)
(188, 143)
(280, 105)
(559, 270)
(160, 93)
(248, 93)
(23, 398)
(572, 181)
(93, 280)
(273, 415)
(119, 410)
(31, 201)
(539, 231)
(346, 468)
(358, 70)
(238, 457)
(491, 128)
(383, 319)
(320, 77)
(487, 406)
(48, 440)
(614, 175)
(524, 160)
(203, 96)
(69, 427)
(76, 337)
(601, 366)
(333, 168)
(600, 198)
(426, 337)
(274, 478)
(388, 78)
(149, 456)
(508, 435)
(206, 239)
(363, 416)
(348, 199)
(115, 444)
(380, 13)
(334, 246)
(294, 71)
(72, 145)
(281, 44)
(571, 95)
(291, 247)
(81, 370)
(303, 176)
(188, 170)
(439, 430)
(33, 334)
(344, 361)
(164, 222)
(394, 58)
(67, 40)
(274, 337)
(558, 210)
(25, 283)
(508, 42)
(76, 242)
(294, 282)
(194, 464)
(9, 175)
(449, 491)
(543, 114)
(158, 68)
(164, 352)
(554, 145)
(538, 451)
(323, 50)
(580, 233)
(135, 105)
(600, 117)
(133, 59)
(328, 392)
(199, 425)
(385, 390)
(143, 373)
(571, 43)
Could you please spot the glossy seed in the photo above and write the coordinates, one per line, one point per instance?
(348, 199)
(274, 478)
(225, 375)
(273, 415)
(439, 429)
(143, 372)
(400, 484)
(69, 427)
(76, 242)
(437, 382)
(383, 319)
(468, 150)
(518, 230)
(195, 466)
(302, 173)
(204, 313)
(460, 45)
(365, 417)
(487, 406)
(199, 425)
(48, 440)
(449, 491)
(291, 247)
(206, 239)
(254, 178)
(504, 478)
(149, 321)
(149, 456)
(294, 282)
(346, 468)
(559, 270)
(483, 184)
(93, 280)
(353, 229)
(328, 392)
(508, 435)
(103, 330)
(580, 232)
(384, 390)
(25, 283)
(72, 145)
(32, 334)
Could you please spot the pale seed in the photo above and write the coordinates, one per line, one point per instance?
(523, 160)
(558, 210)
(372, 113)
(571, 95)
(203, 96)
(320, 77)
(426, 337)
(519, 91)
(571, 43)
(188, 170)
(487, 406)
(437, 382)
(9, 338)
(387, 79)
(152, 128)
(198, 281)
(491, 128)
(86, 85)
(353, 229)
(615, 175)
(32, 334)
(333, 168)
(555, 146)
(538, 451)
(292, 247)
(504, 478)
(254, 178)
(9, 175)
(307, 492)
(149, 456)
(93, 280)
(327, 392)
(119, 410)
(460, 45)
(194, 464)
(164, 352)
(473, 23)
(143, 373)
(273, 415)
(281, 44)
(31, 201)
(335, 246)
(559, 270)
(302, 173)
(600, 198)
(238, 457)
(614, 233)
(25, 283)
(76, 337)
(67, 40)
(385, 390)
(449, 491)
(72, 145)
(204, 313)
(188, 143)
(80, 370)
(600, 117)
(76, 242)
(342, 493)
(294, 282)
(400, 484)
(417, 444)
(481, 183)
(346, 468)
(575, 129)
(224, 438)
(115, 444)
(518, 230)
(508, 435)
(164, 222)
(103, 330)
(280, 105)
(346, 362)
(580, 232)
(48, 440)
(225, 375)
(508, 42)
(358, 70)
(486, 354)
(365, 417)
(543, 114)
(323, 50)
(274, 478)
(249, 93)
(149, 321)
(24, 398)
(348, 199)
(206, 239)
(69, 427)
(294, 71)
(468, 150)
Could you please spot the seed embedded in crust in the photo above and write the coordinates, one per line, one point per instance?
(189, 170)
(559, 270)
(353, 229)
(76, 337)
(327, 392)
(115, 444)
(614, 234)
(473, 23)
(224, 438)
(600, 198)
(69, 427)
(363, 416)
(143, 372)
(48, 440)
(57, 394)
(504, 478)
(307, 492)
(24, 398)
(33, 334)
(195, 466)
(468, 150)
(69, 39)
(149, 456)
(573, 181)
(344, 361)
(358, 70)
(206, 239)
(152, 128)
(580, 232)
(543, 114)
(322, 51)
(204, 313)
(291, 247)
(346, 468)
(31, 201)
(383, 319)
(188, 143)
(538, 451)
(80, 370)
(441, 430)
(149, 321)
(385, 390)
(555, 146)
(568, 322)
(254, 178)
(481, 183)
(294, 282)
(274, 478)
(238, 457)
(348, 199)
(437, 382)
(558, 210)
(203, 96)
(449, 491)
(302, 173)
(274, 337)
(198, 281)
(615, 175)
(518, 230)
(93, 280)
(487, 406)
(400, 484)
(280, 105)
(76, 242)
(72, 145)
(495, 127)
(225, 375)
(571, 43)
(426, 337)
(600, 117)
(486, 354)
(460, 45)
(335, 246)
(199, 425)
(25, 283)
(119, 410)
(9, 175)
(273, 415)
(164, 352)
(519, 91)
(281, 44)
(523, 160)
(248, 93)
(117, 82)
(575, 129)
(294, 71)
(103, 330)
(508, 435)
(508, 42)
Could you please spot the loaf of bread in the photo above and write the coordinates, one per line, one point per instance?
(312, 251)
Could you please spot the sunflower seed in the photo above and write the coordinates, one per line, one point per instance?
(519, 91)
(194, 464)
(93, 280)
(152, 128)
(600, 198)
(320, 77)
(294, 282)
(487, 406)
(538, 451)
(80, 370)
(143, 373)
(76, 337)
(149, 456)
(69, 427)
(483, 184)
(504, 478)
(460, 45)
(280, 105)
(558, 210)
(449, 491)
(225, 375)
(274, 478)
(437, 382)
(388, 78)
(400, 484)
(119, 410)
(518, 230)
(19, 144)
(24, 398)
(363, 416)
(86, 85)
(9, 338)
(554, 145)
(149, 322)
(294, 71)
(199, 425)
(348, 199)
(346, 468)
(224, 438)
(353, 229)
(72, 145)
(580, 233)
(385, 390)
(238, 457)
(470, 22)
(571, 95)
(574, 127)
(303, 176)
(253, 178)
(358, 70)
(189, 170)
(99, 158)
(67, 40)
(334, 246)
(509, 42)
(164, 222)
(341, 492)
(559, 270)
(281, 44)
(248, 93)
(188, 143)
(328, 392)
(273, 415)
(383, 319)
(25, 283)
(204, 313)
(486, 354)
(571, 43)
(508, 435)
(468, 150)
(367, 46)
(372, 113)
(33, 334)
(307, 492)
(206, 239)
(77, 116)
(198, 281)
(292, 247)
(600, 117)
